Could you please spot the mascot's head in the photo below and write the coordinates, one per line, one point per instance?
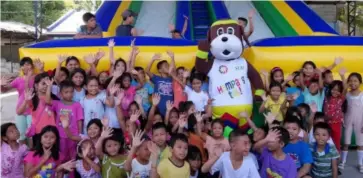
(225, 39)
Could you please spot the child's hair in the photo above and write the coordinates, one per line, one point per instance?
(284, 135)
(87, 16)
(120, 60)
(296, 74)
(159, 125)
(276, 122)
(322, 125)
(180, 137)
(357, 75)
(293, 111)
(197, 76)
(63, 69)
(292, 120)
(66, 84)
(272, 73)
(180, 68)
(160, 63)
(89, 79)
(55, 148)
(72, 58)
(335, 83)
(124, 76)
(243, 19)
(319, 115)
(314, 80)
(217, 121)
(184, 106)
(194, 72)
(78, 157)
(275, 84)
(192, 121)
(35, 99)
(309, 63)
(236, 133)
(117, 136)
(139, 69)
(325, 73)
(26, 60)
(304, 106)
(96, 122)
(4, 129)
(82, 72)
(194, 153)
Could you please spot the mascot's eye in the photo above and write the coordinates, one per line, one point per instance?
(230, 30)
(220, 31)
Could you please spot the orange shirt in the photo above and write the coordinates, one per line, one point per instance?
(197, 141)
(179, 94)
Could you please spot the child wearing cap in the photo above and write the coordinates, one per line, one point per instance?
(127, 28)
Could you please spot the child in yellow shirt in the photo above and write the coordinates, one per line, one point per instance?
(275, 102)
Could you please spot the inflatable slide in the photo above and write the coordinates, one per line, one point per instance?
(287, 33)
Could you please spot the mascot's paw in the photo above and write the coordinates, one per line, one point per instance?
(203, 45)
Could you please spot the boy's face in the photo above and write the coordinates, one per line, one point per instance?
(354, 83)
(112, 147)
(293, 130)
(321, 136)
(71, 65)
(130, 19)
(176, 35)
(159, 137)
(241, 145)
(313, 88)
(164, 68)
(91, 23)
(26, 68)
(274, 145)
(67, 93)
(328, 78)
(143, 152)
(180, 149)
(275, 92)
(242, 23)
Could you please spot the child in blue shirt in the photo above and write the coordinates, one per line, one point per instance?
(146, 91)
(314, 93)
(297, 149)
(163, 83)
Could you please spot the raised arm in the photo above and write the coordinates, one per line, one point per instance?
(134, 52)
(106, 133)
(39, 65)
(337, 61)
(169, 107)
(250, 21)
(48, 98)
(249, 121)
(119, 114)
(153, 59)
(342, 73)
(185, 26)
(155, 102)
(111, 44)
(61, 59)
(91, 59)
(136, 142)
(29, 94)
(110, 99)
(271, 136)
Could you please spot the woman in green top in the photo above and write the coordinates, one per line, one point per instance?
(109, 149)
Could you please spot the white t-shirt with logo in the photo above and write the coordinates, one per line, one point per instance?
(139, 170)
(200, 99)
(229, 83)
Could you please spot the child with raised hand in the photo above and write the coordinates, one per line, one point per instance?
(93, 103)
(171, 117)
(325, 155)
(109, 149)
(140, 166)
(237, 162)
(46, 160)
(21, 84)
(314, 93)
(297, 149)
(275, 163)
(162, 83)
(275, 102)
(179, 96)
(94, 129)
(175, 165)
(296, 89)
(258, 133)
(87, 163)
(154, 115)
(159, 137)
(354, 119)
(318, 118)
(276, 75)
(12, 152)
(145, 91)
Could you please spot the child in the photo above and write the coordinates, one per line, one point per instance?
(194, 159)
(140, 166)
(129, 91)
(237, 162)
(275, 102)
(297, 149)
(171, 117)
(109, 149)
(102, 78)
(333, 110)
(313, 93)
(159, 136)
(276, 76)
(306, 114)
(72, 62)
(94, 129)
(90, 29)
(175, 166)
(318, 118)
(12, 152)
(66, 108)
(87, 164)
(21, 83)
(79, 78)
(275, 163)
(146, 91)
(126, 28)
(354, 119)
(179, 95)
(324, 154)
(93, 102)
(309, 68)
(46, 160)
(297, 89)
(162, 83)
(195, 94)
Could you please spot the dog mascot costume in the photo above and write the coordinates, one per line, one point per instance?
(230, 75)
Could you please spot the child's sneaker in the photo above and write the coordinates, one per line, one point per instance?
(341, 166)
(360, 168)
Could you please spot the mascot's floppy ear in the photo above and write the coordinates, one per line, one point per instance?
(243, 35)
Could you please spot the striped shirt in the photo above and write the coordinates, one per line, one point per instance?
(322, 165)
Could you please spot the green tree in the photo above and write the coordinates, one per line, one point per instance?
(88, 5)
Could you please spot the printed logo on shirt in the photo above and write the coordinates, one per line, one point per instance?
(46, 171)
(233, 87)
(296, 159)
(165, 88)
(271, 174)
(223, 69)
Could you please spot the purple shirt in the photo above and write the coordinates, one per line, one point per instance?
(19, 85)
(272, 167)
(12, 161)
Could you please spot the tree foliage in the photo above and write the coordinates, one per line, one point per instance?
(88, 5)
(343, 15)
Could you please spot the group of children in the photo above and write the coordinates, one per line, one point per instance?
(117, 123)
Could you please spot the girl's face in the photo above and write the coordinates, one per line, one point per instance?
(120, 66)
(328, 78)
(275, 92)
(207, 126)
(48, 139)
(278, 76)
(26, 68)
(335, 92)
(67, 93)
(103, 77)
(126, 82)
(195, 164)
(314, 88)
(91, 154)
(179, 73)
(296, 81)
(173, 118)
(308, 70)
(217, 130)
(143, 152)
(92, 87)
(132, 109)
(93, 131)
(293, 130)
(353, 83)
(196, 85)
(12, 134)
(42, 85)
(112, 147)
(78, 79)
(62, 76)
(72, 64)
(191, 110)
(157, 118)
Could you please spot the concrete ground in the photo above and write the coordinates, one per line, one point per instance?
(8, 105)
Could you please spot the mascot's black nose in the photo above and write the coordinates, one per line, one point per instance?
(224, 39)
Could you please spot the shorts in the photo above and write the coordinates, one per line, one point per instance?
(23, 122)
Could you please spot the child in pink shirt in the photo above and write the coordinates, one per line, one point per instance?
(12, 153)
(66, 107)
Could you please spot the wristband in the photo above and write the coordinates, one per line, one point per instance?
(202, 54)
(259, 92)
